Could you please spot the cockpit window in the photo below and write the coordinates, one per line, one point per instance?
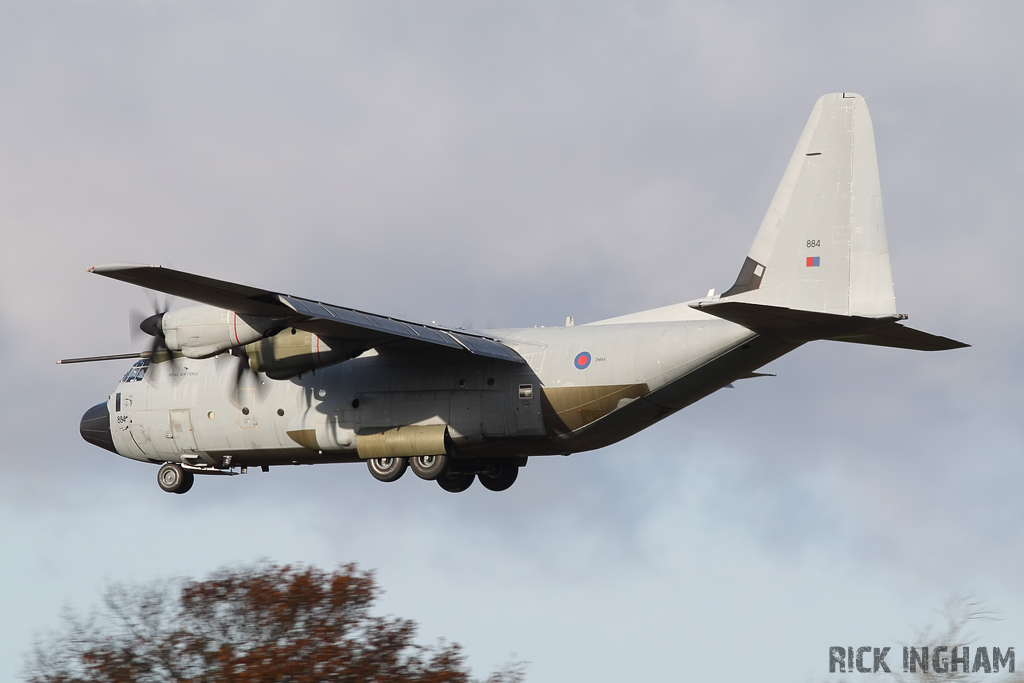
(137, 372)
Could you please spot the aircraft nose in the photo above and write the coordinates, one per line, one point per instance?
(95, 427)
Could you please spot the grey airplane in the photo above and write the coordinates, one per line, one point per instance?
(255, 378)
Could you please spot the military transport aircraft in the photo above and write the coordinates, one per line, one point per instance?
(257, 378)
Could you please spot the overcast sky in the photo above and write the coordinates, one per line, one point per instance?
(509, 165)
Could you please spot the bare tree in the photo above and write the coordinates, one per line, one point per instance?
(952, 631)
(259, 623)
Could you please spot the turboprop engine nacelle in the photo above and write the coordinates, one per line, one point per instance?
(292, 352)
(203, 331)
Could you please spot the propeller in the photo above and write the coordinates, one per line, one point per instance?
(135, 318)
(151, 324)
(140, 323)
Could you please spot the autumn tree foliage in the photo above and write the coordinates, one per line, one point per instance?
(261, 623)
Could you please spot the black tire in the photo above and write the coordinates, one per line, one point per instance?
(456, 482)
(387, 469)
(429, 467)
(499, 476)
(186, 484)
(171, 477)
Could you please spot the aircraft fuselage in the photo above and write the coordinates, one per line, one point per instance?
(564, 399)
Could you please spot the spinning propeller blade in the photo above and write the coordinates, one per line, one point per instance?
(151, 325)
(245, 376)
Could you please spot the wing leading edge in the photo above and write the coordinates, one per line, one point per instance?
(325, 320)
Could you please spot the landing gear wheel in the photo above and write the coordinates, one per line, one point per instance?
(429, 467)
(173, 479)
(186, 484)
(456, 482)
(387, 469)
(499, 476)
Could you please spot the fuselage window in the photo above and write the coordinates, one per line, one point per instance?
(525, 391)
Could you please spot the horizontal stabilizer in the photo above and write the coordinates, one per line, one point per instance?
(802, 326)
(900, 337)
(790, 323)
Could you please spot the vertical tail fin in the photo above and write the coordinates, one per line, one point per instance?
(822, 244)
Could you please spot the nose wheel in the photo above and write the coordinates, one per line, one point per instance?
(174, 479)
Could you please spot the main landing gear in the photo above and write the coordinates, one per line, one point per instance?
(429, 467)
(499, 476)
(454, 476)
(174, 479)
(387, 469)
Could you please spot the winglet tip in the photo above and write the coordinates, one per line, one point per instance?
(115, 267)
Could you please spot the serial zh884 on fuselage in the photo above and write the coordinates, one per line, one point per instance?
(259, 378)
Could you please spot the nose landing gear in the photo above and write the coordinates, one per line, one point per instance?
(173, 479)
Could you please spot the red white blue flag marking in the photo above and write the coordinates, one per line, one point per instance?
(582, 361)
(813, 261)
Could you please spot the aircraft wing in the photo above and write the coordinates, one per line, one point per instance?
(319, 318)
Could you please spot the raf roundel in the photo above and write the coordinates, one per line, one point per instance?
(582, 361)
